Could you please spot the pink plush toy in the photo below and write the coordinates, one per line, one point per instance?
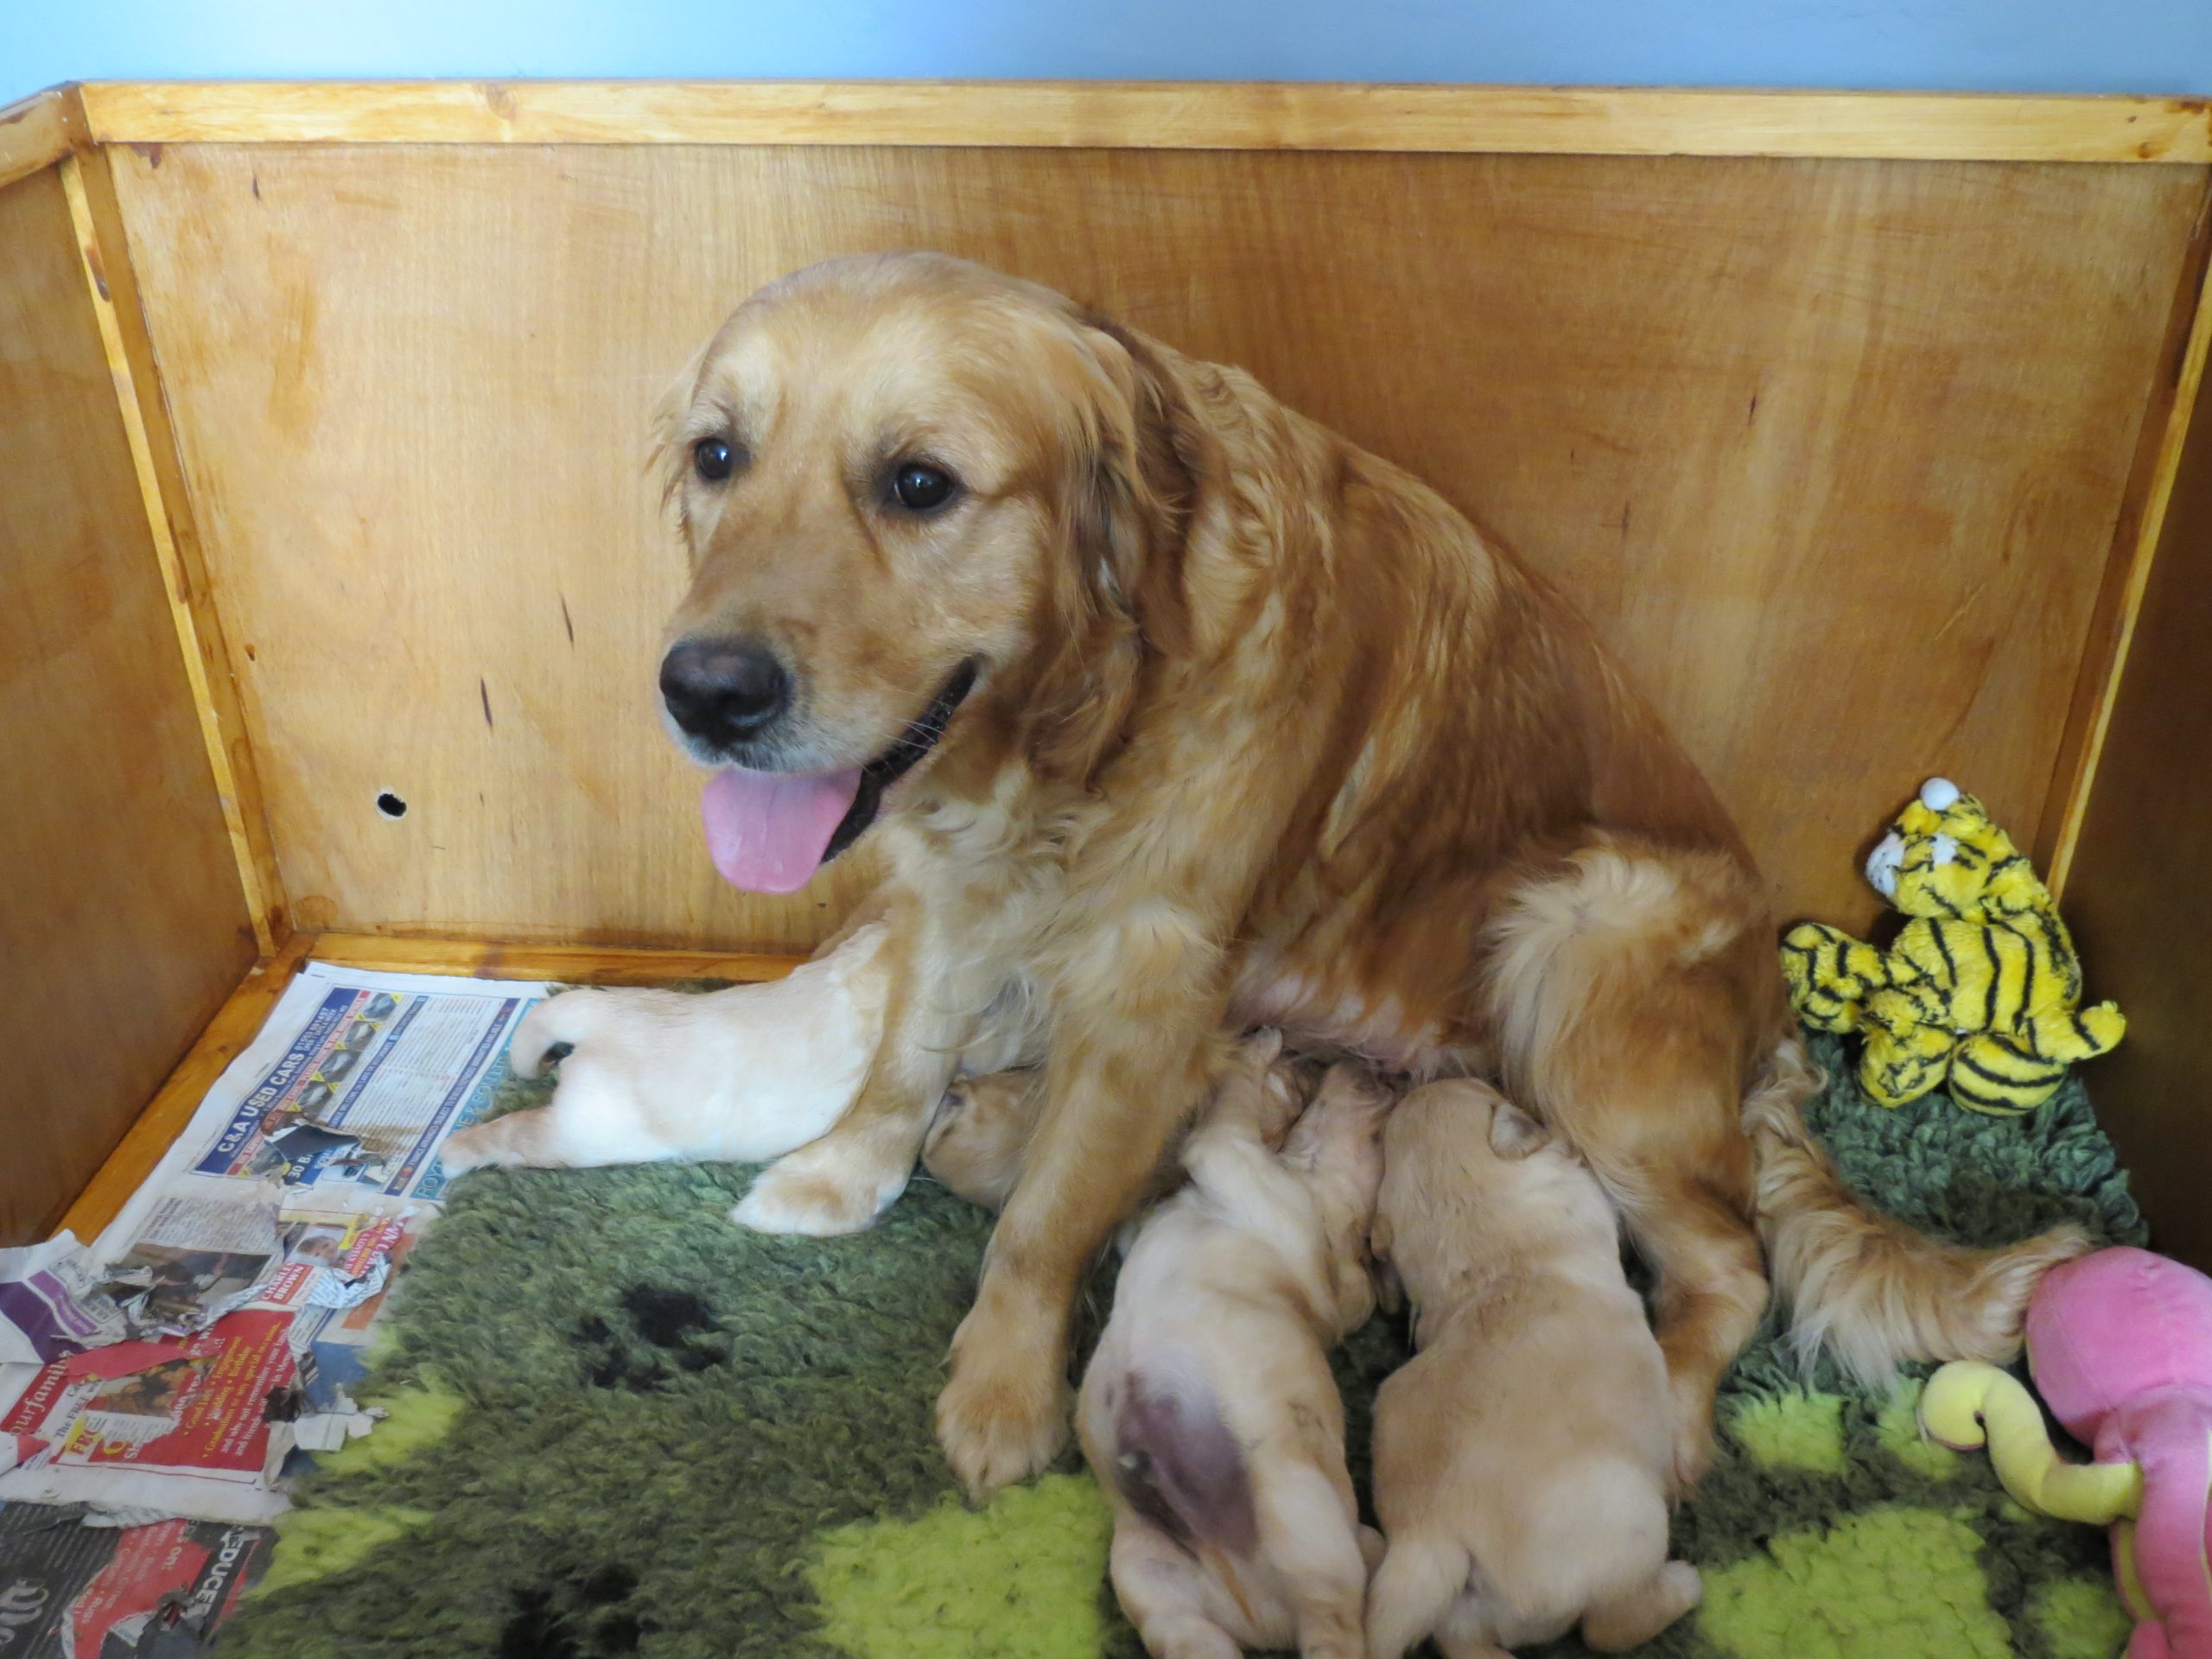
(2120, 1344)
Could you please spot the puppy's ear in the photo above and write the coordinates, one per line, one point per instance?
(1513, 1133)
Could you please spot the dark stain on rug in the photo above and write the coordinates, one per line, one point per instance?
(573, 1620)
(651, 1429)
(658, 1332)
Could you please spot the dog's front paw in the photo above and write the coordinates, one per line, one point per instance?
(1004, 1415)
(838, 1185)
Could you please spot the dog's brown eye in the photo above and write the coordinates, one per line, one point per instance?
(919, 488)
(713, 459)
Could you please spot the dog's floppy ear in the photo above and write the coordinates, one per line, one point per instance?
(1134, 502)
(1118, 593)
(1513, 1133)
(669, 459)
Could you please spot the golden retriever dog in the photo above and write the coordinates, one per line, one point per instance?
(1523, 1456)
(1171, 712)
(1208, 1412)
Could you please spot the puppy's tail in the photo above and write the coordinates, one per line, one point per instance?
(1865, 1287)
(1412, 1591)
(557, 1022)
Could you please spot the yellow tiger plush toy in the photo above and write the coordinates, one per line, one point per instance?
(1980, 993)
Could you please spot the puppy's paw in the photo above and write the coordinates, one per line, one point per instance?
(469, 1149)
(517, 1140)
(836, 1185)
(1004, 1415)
(1692, 1444)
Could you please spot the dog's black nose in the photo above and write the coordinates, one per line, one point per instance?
(722, 691)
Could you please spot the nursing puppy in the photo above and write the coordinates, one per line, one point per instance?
(1208, 1412)
(1522, 1457)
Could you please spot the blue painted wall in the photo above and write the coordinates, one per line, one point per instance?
(2151, 46)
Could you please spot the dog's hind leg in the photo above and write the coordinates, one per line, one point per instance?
(1416, 1586)
(1713, 1288)
(1453, 1645)
(1165, 1593)
(1636, 1615)
(1310, 1536)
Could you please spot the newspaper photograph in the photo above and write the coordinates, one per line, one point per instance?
(334, 1112)
(212, 1334)
(175, 1425)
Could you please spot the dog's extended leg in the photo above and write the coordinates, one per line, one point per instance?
(842, 1182)
(1107, 1124)
(1138, 973)
(1131, 1060)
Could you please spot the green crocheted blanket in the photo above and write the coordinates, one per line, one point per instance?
(620, 1425)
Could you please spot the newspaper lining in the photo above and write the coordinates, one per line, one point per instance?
(213, 1331)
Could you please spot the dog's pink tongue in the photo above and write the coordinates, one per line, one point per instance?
(766, 830)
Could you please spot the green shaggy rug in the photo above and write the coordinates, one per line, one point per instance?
(620, 1425)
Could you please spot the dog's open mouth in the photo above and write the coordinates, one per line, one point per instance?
(769, 831)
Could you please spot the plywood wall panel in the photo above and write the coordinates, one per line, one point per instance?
(122, 923)
(2140, 897)
(1832, 451)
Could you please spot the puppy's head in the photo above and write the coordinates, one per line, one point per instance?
(921, 501)
(1457, 1156)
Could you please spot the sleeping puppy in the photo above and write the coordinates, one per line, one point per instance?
(746, 1074)
(1522, 1457)
(1208, 1412)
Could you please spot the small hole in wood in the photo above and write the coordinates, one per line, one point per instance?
(391, 805)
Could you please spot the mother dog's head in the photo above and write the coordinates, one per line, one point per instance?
(932, 513)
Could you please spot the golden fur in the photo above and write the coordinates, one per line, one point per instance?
(1523, 1456)
(1263, 732)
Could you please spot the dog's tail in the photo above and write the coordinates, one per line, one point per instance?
(1413, 1589)
(557, 1022)
(1866, 1287)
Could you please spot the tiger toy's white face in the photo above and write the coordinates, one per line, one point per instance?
(1943, 857)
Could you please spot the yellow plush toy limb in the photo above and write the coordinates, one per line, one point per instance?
(1967, 1404)
(1831, 975)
